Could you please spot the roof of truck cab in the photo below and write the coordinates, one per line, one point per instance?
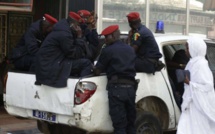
(170, 37)
(161, 38)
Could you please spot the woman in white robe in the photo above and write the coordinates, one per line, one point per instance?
(198, 107)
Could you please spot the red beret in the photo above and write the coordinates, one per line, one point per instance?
(133, 16)
(84, 13)
(110, 30)
(50, 19)
(75, 16)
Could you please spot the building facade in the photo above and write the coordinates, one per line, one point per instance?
(17, 15)
(179, 16)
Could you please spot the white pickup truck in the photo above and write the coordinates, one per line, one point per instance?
(84, 103)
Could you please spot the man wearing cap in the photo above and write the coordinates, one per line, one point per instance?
(23, 55)
(144, 44)
(88, 27)
(118, 60)
(62, 53)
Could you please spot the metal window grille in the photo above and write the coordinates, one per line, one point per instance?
(17, 26)
(3, 36)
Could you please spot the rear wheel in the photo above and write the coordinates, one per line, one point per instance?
(43, 127)
(147, 123)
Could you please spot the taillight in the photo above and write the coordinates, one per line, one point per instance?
(83, 91)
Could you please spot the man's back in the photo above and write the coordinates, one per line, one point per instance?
(119, 59)
(52, 55)
(144, 44)
(51, 45)
(147, 45)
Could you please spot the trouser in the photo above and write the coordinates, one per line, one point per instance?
(81, 67)
(122, 107)
(143, 65)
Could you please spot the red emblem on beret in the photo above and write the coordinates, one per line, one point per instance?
(50, 19)
(75, 16)
(84, 13)
(110, 30)
(133, 16)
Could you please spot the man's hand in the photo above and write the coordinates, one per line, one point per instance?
(130, 34)
(91, 21)
(182, 66)
(96, 71)
(78, 30)
(186, 80)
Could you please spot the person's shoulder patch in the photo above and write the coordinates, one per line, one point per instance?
(136, 36)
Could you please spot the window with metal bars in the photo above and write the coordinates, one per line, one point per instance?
(3, 36)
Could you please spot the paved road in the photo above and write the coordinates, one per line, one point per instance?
(31, 131)
(10, 124)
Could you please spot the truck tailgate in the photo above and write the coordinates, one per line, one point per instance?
(21, 92)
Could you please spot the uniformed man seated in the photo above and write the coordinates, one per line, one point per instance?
(23, 55)
(144, 44)
(88, 27)
(62, 53)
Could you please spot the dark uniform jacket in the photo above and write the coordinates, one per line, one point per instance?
(54, 59)
(145, 40)
(117, 59)
(30, 42)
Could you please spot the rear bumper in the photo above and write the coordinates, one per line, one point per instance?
(28, 113)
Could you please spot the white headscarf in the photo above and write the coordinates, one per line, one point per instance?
(197, 47)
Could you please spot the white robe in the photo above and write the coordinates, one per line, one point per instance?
(198, 107)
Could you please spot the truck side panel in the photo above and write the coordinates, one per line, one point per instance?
(23, 93)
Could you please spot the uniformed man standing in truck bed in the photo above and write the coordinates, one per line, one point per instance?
(117, 59)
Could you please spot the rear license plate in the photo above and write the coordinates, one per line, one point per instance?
(44, 115)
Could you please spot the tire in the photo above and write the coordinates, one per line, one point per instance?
(42, 126)
(39, 125)
(147, 123)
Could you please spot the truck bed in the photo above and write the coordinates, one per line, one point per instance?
(27, 95)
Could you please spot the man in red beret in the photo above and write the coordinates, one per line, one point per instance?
(63, 53)
(117, 59)
(144, 44)
(88, 27)
(84, 13)
(23, 55)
